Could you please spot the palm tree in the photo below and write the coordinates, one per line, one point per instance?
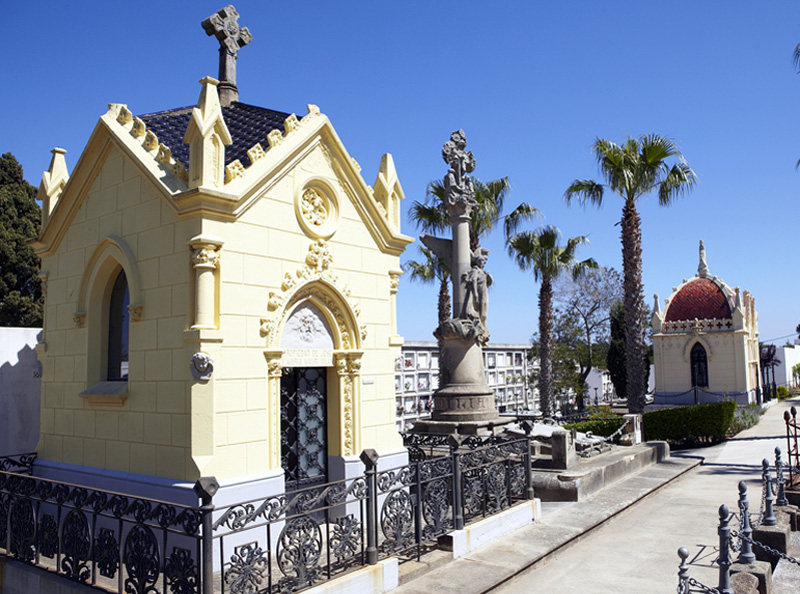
(632, 170)
(540, 252)
(430, 270)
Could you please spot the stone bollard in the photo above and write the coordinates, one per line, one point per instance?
(632, 433)
(769, 518)
(562, 445)
(781, 500)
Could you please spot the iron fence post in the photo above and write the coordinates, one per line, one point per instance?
(454, 441)
(206, 488)
(528, 428)
(769, 518)
(786, 418)
(781, 500)
(370, 460)
(724, 560)
(746, 555)
(683, 571)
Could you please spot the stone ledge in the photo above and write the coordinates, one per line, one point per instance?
(593, 475)
(106, 394)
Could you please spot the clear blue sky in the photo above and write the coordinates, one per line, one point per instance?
(531, 83)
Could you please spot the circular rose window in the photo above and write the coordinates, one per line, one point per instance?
(317, 210)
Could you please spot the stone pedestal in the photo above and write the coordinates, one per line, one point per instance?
(466, 404)
(751, 578)
(562, 445)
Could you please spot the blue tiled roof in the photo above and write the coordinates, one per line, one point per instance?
(247, 124)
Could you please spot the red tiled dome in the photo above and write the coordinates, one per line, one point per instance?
(701, 299)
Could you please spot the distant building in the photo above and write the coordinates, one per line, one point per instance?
(705, 342)
(417, 378)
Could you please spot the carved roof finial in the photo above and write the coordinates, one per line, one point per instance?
(702, 268)
(224, 25)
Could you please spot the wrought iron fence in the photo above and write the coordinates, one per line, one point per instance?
(105, 539)
(282, 543)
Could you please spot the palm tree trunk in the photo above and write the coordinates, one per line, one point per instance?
(634, 306)
(444, 315)
(545, 346)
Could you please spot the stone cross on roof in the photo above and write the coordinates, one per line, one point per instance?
(224, 25)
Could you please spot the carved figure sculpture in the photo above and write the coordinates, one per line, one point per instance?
(202, 366)
(477, 281)
(457, 185)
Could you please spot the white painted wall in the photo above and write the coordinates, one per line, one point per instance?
(20, 390)
(789, 356)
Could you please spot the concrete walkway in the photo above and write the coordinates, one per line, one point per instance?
(625, 538)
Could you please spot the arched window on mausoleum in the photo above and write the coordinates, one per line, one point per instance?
(699, 362)
(118, 324)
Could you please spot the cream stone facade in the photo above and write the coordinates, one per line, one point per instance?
(705, 342)
(234, 274)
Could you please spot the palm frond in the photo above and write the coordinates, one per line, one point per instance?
(678, 181)
(523, 212)
(584, 191)
(796, 58)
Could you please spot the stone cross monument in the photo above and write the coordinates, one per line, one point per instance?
(224, 25)
(466, 403)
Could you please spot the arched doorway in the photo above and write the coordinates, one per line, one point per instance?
(307, 343)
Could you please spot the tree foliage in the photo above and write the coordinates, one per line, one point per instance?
(20, 219)
(617, 351)
(589, 299)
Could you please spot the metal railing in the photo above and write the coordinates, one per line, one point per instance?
(792, 452)
(741, 541)
(105, 539)
(282, 543)
(20, 463)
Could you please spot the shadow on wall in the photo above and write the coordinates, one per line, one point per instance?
(20, 390)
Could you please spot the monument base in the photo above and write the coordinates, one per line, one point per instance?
(487, 427)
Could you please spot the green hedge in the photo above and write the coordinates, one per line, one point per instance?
(693, 424)
(601, 427)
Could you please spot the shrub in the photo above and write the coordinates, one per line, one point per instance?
(601, 427)
(690, 425)
(783, 393)
(600, 412)
(745, 417)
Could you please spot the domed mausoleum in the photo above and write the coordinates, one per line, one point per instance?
(705, 342)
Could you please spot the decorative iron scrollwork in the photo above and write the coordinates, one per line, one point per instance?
(299, 551)
(141, 560)
(48, 536)
(496, 489)
(473, 491)
(23, 529)
(397, 521)
(246, 571)
(435, 507)
(106, 553)
(75, 544)
(181, 572)
(346, 538)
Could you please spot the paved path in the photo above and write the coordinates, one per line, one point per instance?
(635, 552)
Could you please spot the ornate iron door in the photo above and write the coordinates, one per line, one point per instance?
(304, 427)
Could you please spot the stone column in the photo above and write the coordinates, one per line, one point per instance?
(462, 256)
(348, 369)
(394, 283)
(274, 371)
(205, 259)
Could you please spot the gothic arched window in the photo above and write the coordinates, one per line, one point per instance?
(118, 330)
(699, 362)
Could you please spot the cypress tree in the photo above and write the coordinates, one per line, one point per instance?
(21, 299)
